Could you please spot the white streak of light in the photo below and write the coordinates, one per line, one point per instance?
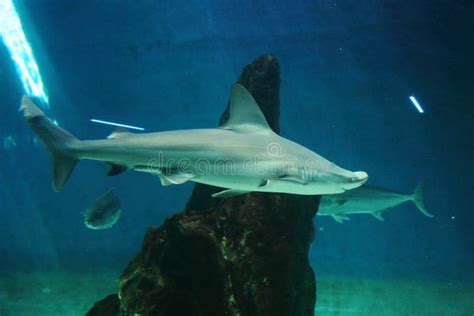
(117, 124)
(417, 105)
(14, 38)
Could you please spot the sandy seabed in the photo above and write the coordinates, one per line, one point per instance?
(397, 297)
(73, 293)
(53, 293)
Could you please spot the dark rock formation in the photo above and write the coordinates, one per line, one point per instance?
(245, 255)
(109, 306)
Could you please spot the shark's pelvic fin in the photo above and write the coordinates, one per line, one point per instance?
(175, 178)
(116, 169)
(378, 215)
(244, 113)
(164, 181)
(340, 218)
(229, 193)
(54, 138)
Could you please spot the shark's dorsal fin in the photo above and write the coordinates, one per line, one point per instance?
(119, 132)
(244, 113)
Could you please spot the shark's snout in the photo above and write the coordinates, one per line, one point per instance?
(356, 179)
(359, 176)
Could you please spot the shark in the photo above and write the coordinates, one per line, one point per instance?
(369, 199)
(242, 155)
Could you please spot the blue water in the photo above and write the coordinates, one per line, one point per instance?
(347, 70)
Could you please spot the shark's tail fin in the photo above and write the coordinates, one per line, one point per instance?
(418, 199)
(54, 138)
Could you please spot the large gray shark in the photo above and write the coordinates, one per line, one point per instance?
(242, 155)
(368, 200)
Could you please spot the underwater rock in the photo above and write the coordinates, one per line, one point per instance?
(245, 255)
(109, 306)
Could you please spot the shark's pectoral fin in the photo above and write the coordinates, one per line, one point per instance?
(116, 169)
(229, 193)
(340, 218)
(175, 178)
(378, 215)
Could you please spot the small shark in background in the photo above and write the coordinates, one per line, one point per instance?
(104, 212)
(242, 155)
(368, 200)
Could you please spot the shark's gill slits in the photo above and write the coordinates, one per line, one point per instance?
(14, 38)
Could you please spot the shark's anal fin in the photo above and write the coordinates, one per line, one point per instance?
(229, 193)
(378, 215)
(116, 169)
(340, 218)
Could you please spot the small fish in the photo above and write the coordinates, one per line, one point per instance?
(104, 212)
(368, 200)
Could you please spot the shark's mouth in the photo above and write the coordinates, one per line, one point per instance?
(360, 176)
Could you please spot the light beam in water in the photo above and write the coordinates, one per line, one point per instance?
(416, 104)
(117, 124)
(14, 38)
